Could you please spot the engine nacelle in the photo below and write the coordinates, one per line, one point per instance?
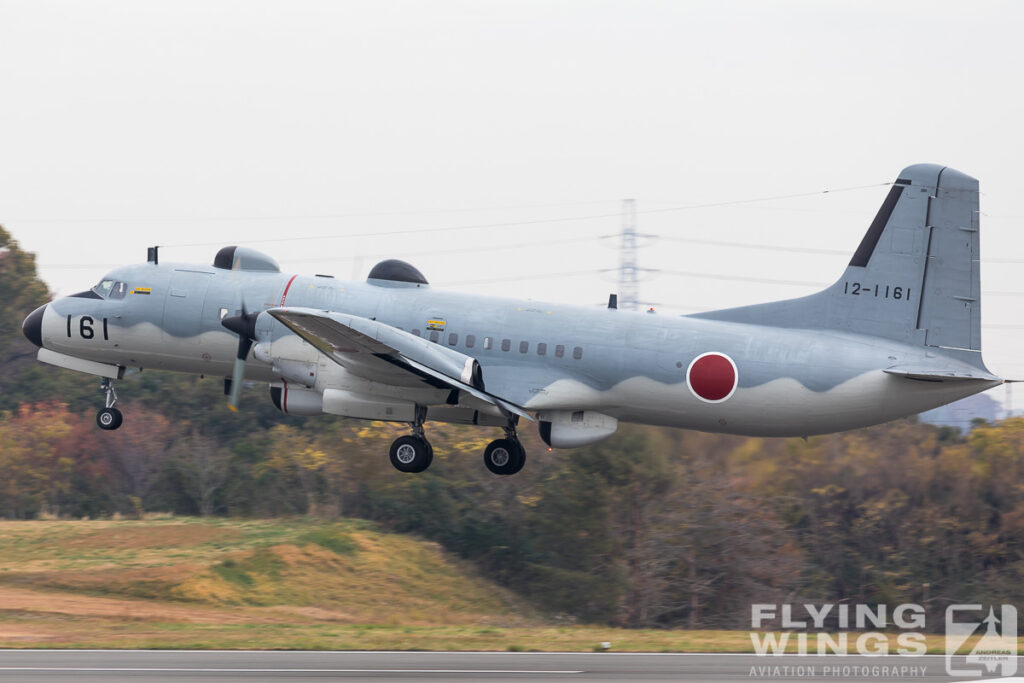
(365, 407)
(295, 371)
(292, 400)
(575, 428)
(466, 416)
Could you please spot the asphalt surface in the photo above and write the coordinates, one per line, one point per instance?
(158, 666)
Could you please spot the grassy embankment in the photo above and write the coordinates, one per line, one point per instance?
(275, 584)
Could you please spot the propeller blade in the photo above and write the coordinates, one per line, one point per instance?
(236, 383)
(244, 326)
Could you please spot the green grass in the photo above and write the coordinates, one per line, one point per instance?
(232, 573)
(331, 538)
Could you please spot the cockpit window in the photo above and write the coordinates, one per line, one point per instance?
(103, 288)
(111, 289)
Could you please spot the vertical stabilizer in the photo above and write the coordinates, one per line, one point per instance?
(914, 277)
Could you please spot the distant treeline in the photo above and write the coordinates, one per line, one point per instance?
(653, 527)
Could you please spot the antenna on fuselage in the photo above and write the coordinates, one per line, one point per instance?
(153, 255)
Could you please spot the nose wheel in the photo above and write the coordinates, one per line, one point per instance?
(109, 417)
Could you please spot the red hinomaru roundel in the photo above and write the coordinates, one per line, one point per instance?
(712, 377)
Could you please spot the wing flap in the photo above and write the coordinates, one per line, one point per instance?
(503, 405)
(386, 354)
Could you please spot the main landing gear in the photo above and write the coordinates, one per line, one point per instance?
(109, 417)
(413, 453)
(505, 456)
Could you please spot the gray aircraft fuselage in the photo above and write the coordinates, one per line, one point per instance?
(862, 352)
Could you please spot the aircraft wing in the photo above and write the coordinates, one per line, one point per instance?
(383, 353)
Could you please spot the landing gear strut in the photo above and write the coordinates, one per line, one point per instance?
(109, 417)
(507, 455)
(413, 453)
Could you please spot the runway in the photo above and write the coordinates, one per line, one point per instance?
(159, 666)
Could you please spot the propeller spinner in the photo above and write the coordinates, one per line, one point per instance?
(244, 326)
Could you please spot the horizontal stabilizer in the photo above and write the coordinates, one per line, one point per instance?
(934, 375)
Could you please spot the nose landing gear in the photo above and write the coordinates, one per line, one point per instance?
(109, 417)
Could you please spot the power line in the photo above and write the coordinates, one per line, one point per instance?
(747, 245)
(505, 224)
(527, 245)
(542, 221)
(627, 245)
(449, 251)
(745, 278)
(302, 217)
(228, 219)
(521, 245)
(677, 273)
(389, 254)
(543, 276)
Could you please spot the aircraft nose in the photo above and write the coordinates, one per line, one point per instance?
(33, 326)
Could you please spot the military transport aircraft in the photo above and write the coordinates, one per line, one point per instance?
(897, 334)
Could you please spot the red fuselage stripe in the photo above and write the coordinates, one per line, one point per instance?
(286, 288)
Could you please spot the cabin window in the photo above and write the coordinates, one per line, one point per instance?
(506, 344)
(524, 347)
(119, 290)
(435, 336)
(453, 339)
(542, 348)
(559, 351)
(470, 341)
(577, 352)
(488, 343)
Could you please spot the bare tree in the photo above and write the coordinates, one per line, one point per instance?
(203, 468)
(140, 450)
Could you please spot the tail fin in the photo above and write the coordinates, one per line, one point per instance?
(914, 278)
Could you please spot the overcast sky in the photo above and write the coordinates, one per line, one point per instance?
(492, 144)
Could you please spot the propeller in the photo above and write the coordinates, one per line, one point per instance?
(244, 326)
